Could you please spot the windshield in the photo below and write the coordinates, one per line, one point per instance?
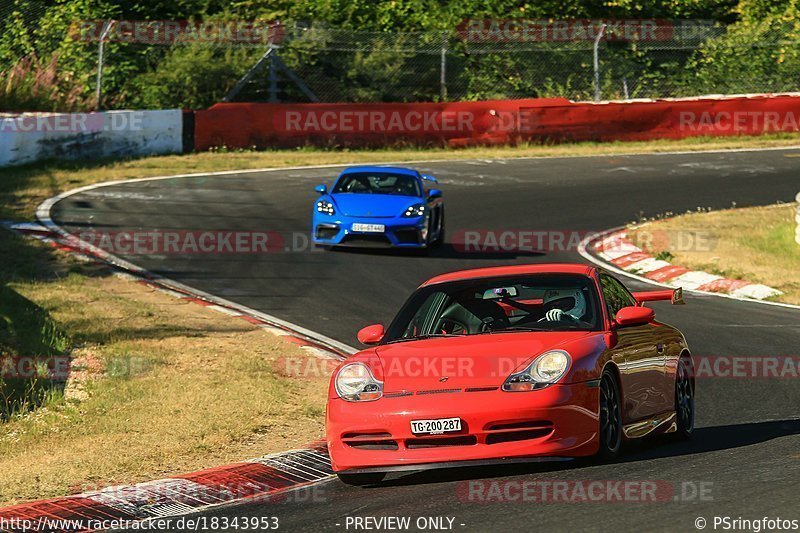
(542, 302)
(378, 183)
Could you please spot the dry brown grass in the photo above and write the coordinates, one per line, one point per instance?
(755, 244)
(167, 387)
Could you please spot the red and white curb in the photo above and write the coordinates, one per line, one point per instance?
(266, 479)
(263, 478)
(309, 341)
(616, 249)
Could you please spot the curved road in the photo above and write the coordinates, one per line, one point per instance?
(746, 452)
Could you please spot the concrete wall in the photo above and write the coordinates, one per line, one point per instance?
(29, 137)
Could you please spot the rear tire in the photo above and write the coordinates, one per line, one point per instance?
(684, 400)
(610, 417)
(360, 480)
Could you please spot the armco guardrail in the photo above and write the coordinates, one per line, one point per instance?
(29, 137)
(245, 125)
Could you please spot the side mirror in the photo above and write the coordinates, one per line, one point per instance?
(434, 193)
(322, 189)
(634, 316)
(371, 334)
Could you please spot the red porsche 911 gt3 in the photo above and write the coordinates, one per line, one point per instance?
(514, 363)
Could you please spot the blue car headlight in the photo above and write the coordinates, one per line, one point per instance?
(325, 207)
(416, 210)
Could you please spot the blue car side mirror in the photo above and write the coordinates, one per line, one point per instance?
(322, 189)
(434, 193)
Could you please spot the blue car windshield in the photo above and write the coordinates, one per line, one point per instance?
(378, 183)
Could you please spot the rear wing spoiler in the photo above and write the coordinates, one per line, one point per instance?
(673, 295)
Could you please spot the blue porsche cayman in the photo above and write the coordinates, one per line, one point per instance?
(379, 206)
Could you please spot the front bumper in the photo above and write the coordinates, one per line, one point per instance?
(400, 232)
(560, 421)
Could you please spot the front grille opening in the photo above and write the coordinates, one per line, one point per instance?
(407, 236)
(439, 442)
(521, 424)
(367, 240)
(480, 389)
(511, 436)
(437, 391)
(373, 445)
(370, 441)
(327, 232)
(372, 435)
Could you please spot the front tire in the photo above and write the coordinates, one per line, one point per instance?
(440, 236)
(684, 400)
(360, 480)
(610, 417)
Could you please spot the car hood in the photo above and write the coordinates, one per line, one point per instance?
(373, 205)
(470, 361)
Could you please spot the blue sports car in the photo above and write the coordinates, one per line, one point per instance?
(379, 207)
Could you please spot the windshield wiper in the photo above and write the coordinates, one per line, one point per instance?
(513, 329)
(428, 336)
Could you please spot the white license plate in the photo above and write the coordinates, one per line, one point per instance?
(436, 426)
(369, 228)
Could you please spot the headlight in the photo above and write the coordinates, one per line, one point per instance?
(416, 210)
(545, 370)
(355, 383)
(325, 207)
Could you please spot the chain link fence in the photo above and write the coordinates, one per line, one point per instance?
(151, 64)
(340, 65)
(681, 59)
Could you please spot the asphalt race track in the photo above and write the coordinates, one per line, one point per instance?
(746, 450)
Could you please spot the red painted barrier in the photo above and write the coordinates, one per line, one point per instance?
(489, 122)
(266, 125)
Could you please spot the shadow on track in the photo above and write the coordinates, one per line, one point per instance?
(705, 440)
(445, 251)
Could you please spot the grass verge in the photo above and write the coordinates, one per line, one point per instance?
(754, 243)
(158, 386)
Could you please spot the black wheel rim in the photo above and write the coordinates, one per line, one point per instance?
(610, 420)
(684, 399)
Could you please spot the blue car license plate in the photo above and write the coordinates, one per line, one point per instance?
(369, 228)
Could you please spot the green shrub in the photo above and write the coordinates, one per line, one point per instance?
(190, 76)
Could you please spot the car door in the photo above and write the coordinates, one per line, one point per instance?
(639, 356)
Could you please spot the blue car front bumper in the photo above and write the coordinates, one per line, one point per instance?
(400, 232)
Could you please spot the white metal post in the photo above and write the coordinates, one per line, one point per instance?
(100, 60)
(597, 62)
(797, 219)
(443, 69)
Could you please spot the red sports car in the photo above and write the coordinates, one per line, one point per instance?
(515, 363)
